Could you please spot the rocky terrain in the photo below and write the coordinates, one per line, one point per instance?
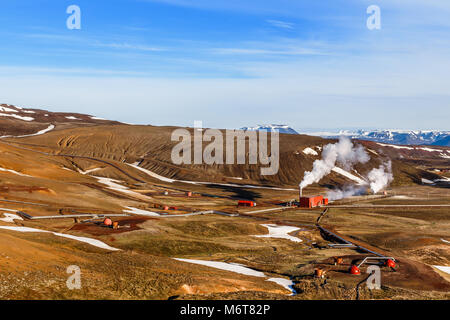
(179, 232)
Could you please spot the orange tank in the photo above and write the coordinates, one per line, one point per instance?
(390, 263)
(355, 270)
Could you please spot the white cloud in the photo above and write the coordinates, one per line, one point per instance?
(281, 24)
(248, 51)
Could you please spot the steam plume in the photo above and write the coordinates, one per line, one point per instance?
(346, 192)
(379, 178)
(342, 152)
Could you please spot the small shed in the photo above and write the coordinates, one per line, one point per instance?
(313, 202)
(246, 203)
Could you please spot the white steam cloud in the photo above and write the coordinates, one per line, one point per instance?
(347, 155)
(347, 191)
(380, 178)
(343, 152)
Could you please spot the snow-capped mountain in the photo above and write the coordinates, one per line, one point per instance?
(400, 137)
(281, 128)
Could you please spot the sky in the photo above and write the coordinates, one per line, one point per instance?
(232, 63)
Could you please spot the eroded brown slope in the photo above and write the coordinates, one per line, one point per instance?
(152, 146)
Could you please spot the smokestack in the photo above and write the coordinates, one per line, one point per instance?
(300, 193)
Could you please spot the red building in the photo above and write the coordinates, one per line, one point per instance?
(246, 203)
(313, 202)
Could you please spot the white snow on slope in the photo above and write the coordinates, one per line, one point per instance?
(396, 147)
(226, 266)
(427, 181)
(114, 185)
(49, 128)
(150, 173)
(10, 217)
(5, 109)
(157, 176)
(93, 242)
(280, 232)
(72, 118)
(310, 151)
(88, 171)
(443, 240)
(14, 172)
(16, 116)
(238, 268)
(349, 175)
(443, 268)
(286, 283)
(141, 212)
(430, 150)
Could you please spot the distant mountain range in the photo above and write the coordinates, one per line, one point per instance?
(281, 128)
(400, 137)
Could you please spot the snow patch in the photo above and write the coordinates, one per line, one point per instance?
(150, 173)
(16, 117)
(48, 129)
(10, 217)
(93, 242)
(238, 268)
(286, 283)
(226, 266)
(310, 151)
(443, 269)
(349, 175)
(14, 172)
(114, 185)
(280, 232)
(396, 147)
(157, 176)
(141, 212)
(5, 109)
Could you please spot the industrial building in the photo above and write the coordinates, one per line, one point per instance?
(313, 202)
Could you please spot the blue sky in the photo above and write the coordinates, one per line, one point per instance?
(232, 63)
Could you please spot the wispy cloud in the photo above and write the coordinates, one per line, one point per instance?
(129, 46)
(247, 51)
(57, 39)
(281, 24)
